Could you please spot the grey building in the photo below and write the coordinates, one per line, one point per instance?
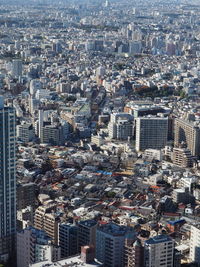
(151, 132)
(7, 180)
(68, 239)
(110, 244)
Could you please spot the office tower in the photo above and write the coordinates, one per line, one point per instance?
(121, 126)
(68, 239)
(25, 132)
(195, 243)
(17, 68)
(187, 132)
(35, 245)
(159, 251)
(134, 253)
(87, 233)
(45, 219)
(110, 241)
(7, 180)
(151, 132)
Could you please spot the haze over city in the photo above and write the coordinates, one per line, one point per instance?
(99, 133)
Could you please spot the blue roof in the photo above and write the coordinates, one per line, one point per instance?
(176, 222)
(158, 239)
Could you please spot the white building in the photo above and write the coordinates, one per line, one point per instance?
(195, 243)
(159, 251)
(153, 154)
(121, 126)
(33, 246)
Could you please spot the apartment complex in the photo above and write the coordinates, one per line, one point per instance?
(187, 132)
(159, 251)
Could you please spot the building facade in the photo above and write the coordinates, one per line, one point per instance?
(159, 251)
(151, 132)
(187, 132)
(7, 180)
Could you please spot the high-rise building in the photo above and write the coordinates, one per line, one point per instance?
(26, 195)
(87, 233)
(159, 251)
(48, 221)
(195, 243)
(52, 134)
(25, 132)
(121, 126)
(110, 241)
(35, 245)
(17, 68)
(134, 253)
(187, 132)
(68, 239)
(151, 132)
(7, 180)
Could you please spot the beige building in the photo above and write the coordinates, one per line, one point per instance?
(182, 157)
(187, 132)
(45, 219)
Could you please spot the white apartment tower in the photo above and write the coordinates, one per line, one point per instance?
(195, 243)
(159, 251)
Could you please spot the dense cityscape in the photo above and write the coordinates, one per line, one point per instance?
(99, 133)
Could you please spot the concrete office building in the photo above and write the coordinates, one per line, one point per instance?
(151, 132)
(110, 241)
(87, 233)
(7, 180)
(68, 239)
(121, 126)
(52, 135)
(25, 132)
(159, 251)
(187, 132)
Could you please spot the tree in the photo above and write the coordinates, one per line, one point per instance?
(182, 94)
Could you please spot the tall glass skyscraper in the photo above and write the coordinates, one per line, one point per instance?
(7, 180)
